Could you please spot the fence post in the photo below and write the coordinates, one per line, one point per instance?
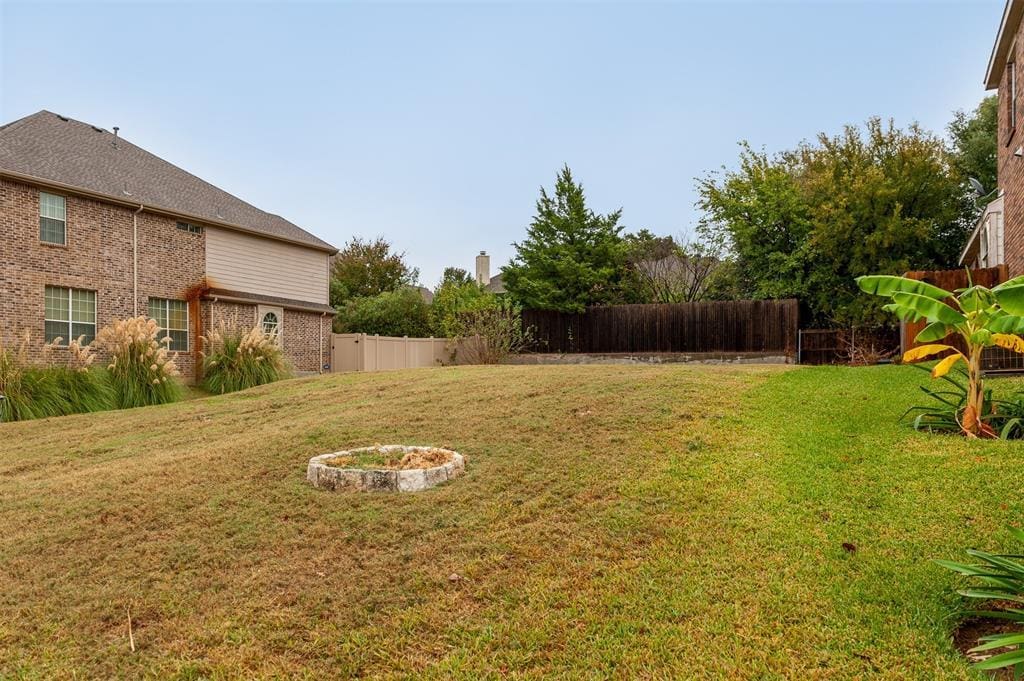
(799, 346)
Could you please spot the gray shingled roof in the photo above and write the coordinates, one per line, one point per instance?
(54, 148)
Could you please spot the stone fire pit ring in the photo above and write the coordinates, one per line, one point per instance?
(324, 476)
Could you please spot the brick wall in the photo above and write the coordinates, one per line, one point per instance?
(304, 346)
(306, 339)
(1011, 169)
(97, 257)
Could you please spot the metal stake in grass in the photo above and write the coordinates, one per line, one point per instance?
(131, 637)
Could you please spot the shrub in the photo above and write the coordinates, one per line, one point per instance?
(85, 388)
(28, 392)
(392, 313)
(997, 577)
(236, 360)
(490, 334)
(451, 299)
(141, 369)
(40, 391)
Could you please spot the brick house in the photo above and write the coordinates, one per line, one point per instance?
(97, 229)
(998, 237)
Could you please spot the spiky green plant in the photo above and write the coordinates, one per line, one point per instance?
(141, 369)
(982, 317)
(997, 578)
(235, 360)
(1003, 417)
(26, 391)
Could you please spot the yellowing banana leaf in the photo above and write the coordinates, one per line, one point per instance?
(943, 367)
(919, 353)
(887, 285)
(1009, 341)
(929, 308)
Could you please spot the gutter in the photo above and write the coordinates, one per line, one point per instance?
(79, 191)
(215, 297)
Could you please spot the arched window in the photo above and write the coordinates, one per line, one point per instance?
(270, 323)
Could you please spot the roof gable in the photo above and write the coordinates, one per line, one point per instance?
(54, 148)
(1008, 27)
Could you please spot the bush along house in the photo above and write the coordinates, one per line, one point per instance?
(97, 229)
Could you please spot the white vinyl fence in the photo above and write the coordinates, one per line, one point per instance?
(363, 352)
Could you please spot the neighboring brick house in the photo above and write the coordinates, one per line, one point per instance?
(97, 229)
(998, 238)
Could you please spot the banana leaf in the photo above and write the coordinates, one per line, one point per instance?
(931, 309)
(1007, 323)
(1011, 298)
(933, 332)
(886, 285)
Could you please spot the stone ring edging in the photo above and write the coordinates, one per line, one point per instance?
(323, 476)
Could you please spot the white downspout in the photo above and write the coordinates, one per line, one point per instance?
(135, 261)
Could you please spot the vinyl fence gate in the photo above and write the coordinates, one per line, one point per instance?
(363, 352)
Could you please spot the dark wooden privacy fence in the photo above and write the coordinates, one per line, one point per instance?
(740, 326)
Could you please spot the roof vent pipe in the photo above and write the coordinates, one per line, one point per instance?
(115, 136)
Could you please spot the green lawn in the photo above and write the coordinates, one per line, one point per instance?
(656, 522)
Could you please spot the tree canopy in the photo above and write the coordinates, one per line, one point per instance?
(973, 138)
(804, 223)
(571, 258)
(368, 268)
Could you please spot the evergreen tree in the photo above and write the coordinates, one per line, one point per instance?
(572, 257)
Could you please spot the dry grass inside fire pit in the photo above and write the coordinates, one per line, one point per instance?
(392, 460)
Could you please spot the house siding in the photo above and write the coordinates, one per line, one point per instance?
(241, 262)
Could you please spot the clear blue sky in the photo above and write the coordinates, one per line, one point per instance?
(435, 124)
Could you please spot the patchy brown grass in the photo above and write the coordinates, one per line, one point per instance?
(614, 521)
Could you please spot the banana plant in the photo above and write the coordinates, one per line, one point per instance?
(983, 317)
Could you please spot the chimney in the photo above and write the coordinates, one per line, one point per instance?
(483, 269)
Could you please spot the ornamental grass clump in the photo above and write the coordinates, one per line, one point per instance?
(26, 391)
(141, 368)
(84, 386)
(58, 387)
(235, 360)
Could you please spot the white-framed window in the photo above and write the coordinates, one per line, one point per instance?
(271, 323)
(53, 227)
(270, 320)
(70, 314)
(172, 316)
